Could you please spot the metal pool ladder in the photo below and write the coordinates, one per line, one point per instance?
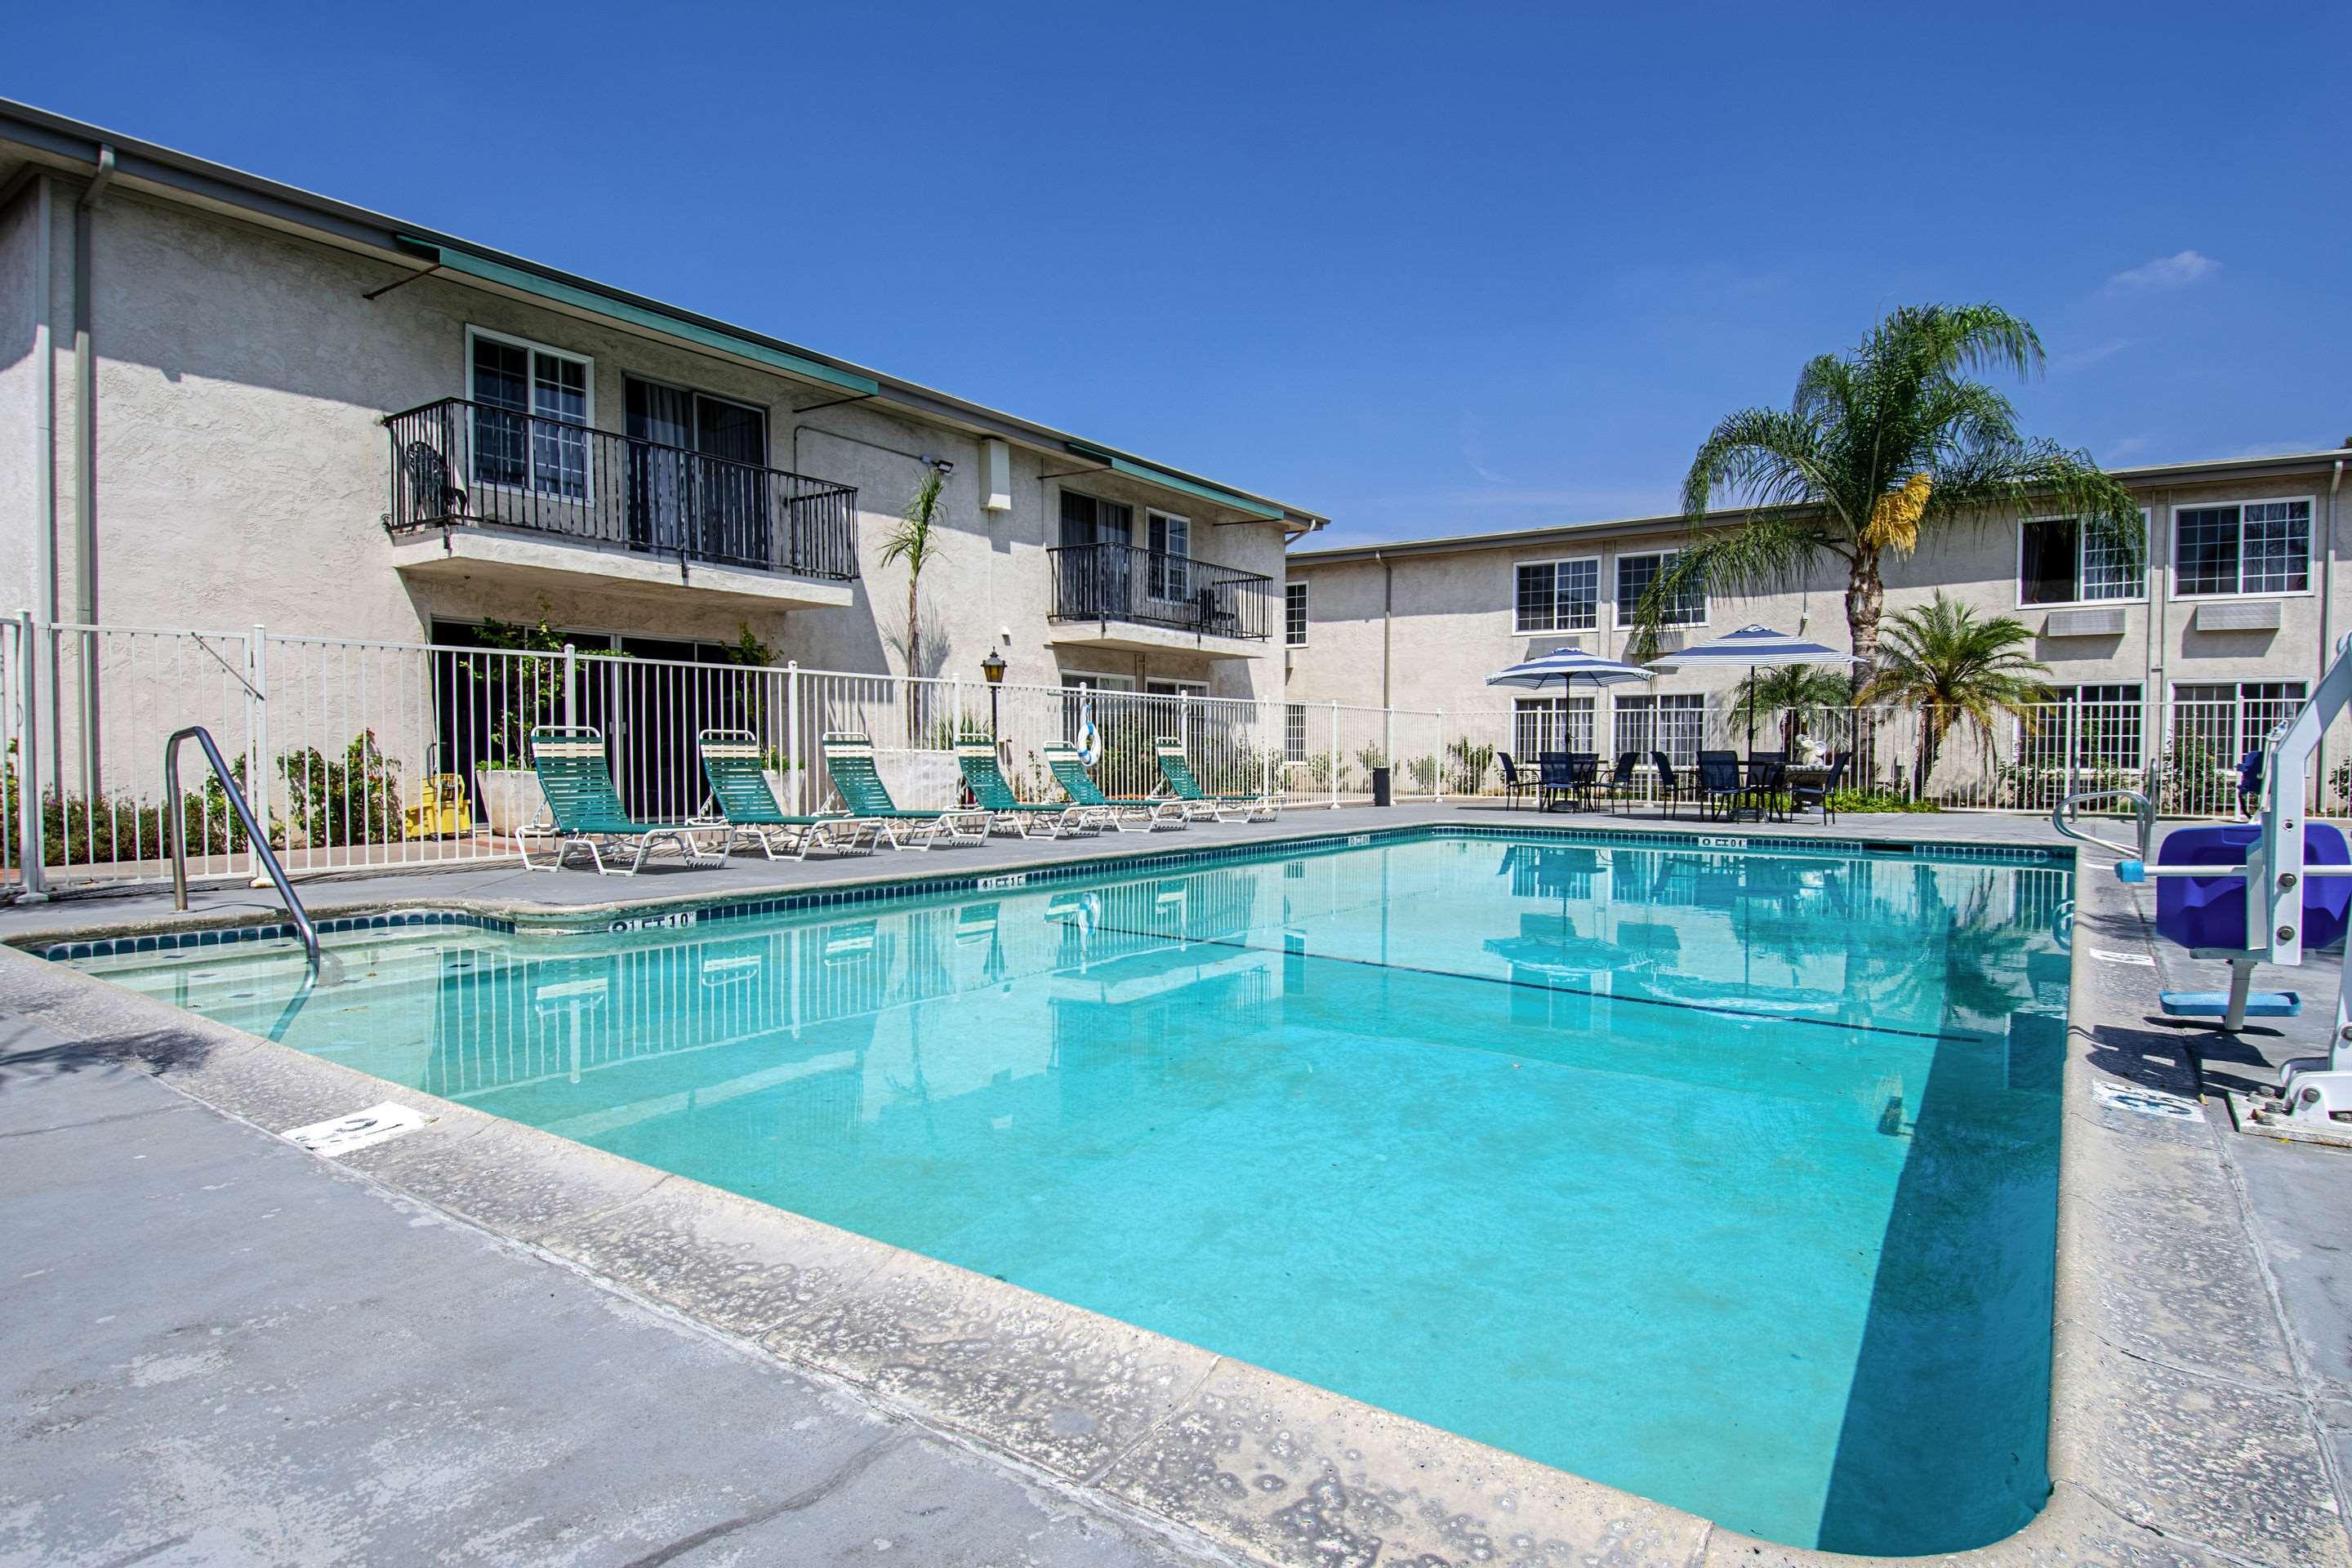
(176, 813)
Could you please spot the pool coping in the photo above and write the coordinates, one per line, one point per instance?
(2194, 1470)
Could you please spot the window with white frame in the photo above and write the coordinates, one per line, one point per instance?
(531, 422)
(2233, 717)
(2060, 561)
(1673, 723)
(1634, 576)
(1540, 724)
(2251, 547)
(1558, 596)
(1170, 572)
(1294, 614)
(1294, 731)
(2094, 726)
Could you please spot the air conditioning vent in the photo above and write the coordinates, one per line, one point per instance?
(2238, 615)
(2100, 623)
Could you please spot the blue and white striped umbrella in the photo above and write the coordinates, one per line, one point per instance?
(1568, 665)
(1752, 646)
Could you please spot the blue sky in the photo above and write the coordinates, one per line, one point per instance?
(1424, 268)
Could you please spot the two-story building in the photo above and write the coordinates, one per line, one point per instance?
(2226, 616)
(225, 402)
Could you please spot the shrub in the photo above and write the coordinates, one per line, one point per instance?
(1467, 764)
(1862, 802)
(352, 800)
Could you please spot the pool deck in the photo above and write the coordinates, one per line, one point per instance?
(479, 1340)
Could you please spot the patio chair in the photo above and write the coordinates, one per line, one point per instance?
(1767, 776)
(992, 792)
(1583, 777)
(1128, 813)
(1718, 786)
(730, 766)
(1554, 778)
(849, 759)
(1622, 786)
(1176, 772)
(1671, 786)
(586, 811)
(1515, 783)
(1817, 796)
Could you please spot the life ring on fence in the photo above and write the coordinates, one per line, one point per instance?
(1089, 738)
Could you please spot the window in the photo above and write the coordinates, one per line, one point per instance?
(1294, 614)
(1540, 724)
(2085, 727)
(530, 431)
(1558, 596)
(2060, 561)
(2233, 717)
(1170, 573)
(1634, 576)
(1294, 731)
(1670, 724)
(2257, 547)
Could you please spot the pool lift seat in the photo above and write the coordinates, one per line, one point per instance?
(2259, 892)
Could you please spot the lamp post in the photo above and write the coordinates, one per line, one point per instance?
(993, 667)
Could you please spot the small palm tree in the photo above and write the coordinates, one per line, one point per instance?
(919, 539)
(1798, 692)
(1878, 447)
(1956, 670)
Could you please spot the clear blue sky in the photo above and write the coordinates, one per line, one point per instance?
(1424, 268)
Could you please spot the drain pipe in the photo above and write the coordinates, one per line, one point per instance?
(45, 482)
(2326, 618)
(86, 461)
(1388, 577)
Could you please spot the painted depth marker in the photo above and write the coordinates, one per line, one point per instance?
(362, 1129)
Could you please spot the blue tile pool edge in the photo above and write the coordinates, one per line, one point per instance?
(674, 913)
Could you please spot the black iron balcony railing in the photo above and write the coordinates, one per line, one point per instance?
(455, 462)
(1121, 583)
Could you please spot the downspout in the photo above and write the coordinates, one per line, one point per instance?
(45, 471)
(2326, 622)
(1388, 578)
(86, 462)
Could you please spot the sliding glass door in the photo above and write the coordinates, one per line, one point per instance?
(698, 475)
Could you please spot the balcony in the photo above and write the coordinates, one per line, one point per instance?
(479, 490)
(1142, 600)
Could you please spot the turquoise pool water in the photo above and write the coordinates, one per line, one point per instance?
(1728, 1179)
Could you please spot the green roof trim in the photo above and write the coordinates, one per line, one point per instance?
(1134, 469)
(452, 259)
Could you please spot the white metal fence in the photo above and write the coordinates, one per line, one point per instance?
(361, 754)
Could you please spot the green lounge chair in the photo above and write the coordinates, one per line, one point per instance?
(1128, 814)
(992, 792)
(1176, 772)
(849, 758)
(730, 763)
(587, 813)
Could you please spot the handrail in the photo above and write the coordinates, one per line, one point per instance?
(2061, 817)
(176, 811)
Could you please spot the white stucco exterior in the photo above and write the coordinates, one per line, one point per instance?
(244, 362)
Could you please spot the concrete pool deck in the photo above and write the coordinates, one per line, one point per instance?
(2203, 1385)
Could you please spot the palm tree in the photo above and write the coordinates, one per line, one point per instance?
(1798, 692)
(1955, 671)
(1878, 447)
(919, 539)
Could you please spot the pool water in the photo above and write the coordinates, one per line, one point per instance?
(1725, 1178)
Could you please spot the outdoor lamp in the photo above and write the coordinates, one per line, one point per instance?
(993, 667)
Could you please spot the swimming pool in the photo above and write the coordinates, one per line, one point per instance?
(1728, 1178)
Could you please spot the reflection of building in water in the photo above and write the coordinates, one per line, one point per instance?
(503, 1017)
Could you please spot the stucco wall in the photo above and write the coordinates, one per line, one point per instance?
(19, 386)
(1451, 617)
(242, 377)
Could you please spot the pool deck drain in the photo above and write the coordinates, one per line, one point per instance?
(615, 1365)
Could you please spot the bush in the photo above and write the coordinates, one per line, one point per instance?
(1467, 764)
(1862, 802)
(355, 799)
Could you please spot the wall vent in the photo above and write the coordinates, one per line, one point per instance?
(2100, 623)
(2238, 615)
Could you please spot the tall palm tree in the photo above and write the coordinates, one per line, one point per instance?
(1957, 672)
(919, 539)
(1878, 447)
(1798, 692)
